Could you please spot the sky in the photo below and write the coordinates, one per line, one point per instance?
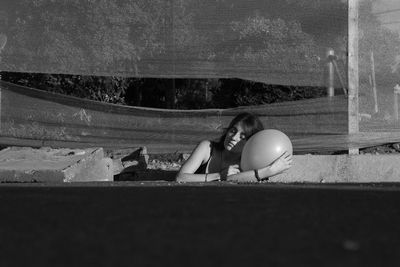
(388, 11)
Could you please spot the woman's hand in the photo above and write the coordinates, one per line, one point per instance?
(283, 163)
(230, 170)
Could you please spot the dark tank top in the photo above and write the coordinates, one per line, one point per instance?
(203, 167)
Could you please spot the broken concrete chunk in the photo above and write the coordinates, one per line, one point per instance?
(25, 164)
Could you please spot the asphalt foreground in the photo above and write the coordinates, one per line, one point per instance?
(219, 224)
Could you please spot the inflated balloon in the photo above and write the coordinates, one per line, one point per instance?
(263, 148)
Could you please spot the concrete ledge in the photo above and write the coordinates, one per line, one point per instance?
(24, 164)
(86, 165)
(342, 169)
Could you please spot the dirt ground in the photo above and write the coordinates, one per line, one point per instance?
(138, 165)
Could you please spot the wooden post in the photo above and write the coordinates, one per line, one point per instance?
(353, 73)
(3, 42)
(331, 72)
(171, 92)
(339, 76)
(373, 81)
(396, 92)
(396, 107)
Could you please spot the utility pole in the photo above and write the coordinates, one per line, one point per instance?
(353, 109)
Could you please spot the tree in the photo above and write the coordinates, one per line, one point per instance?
(385, 45)
(83, 37)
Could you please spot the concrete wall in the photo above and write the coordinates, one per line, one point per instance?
(342, 169)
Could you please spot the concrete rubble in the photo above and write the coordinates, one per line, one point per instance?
(25, 164)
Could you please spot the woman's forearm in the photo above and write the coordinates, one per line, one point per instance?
(246, 176)
(266, 172)
(253, 175)
(190, 177)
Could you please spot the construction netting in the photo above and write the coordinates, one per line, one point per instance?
(379, 69)
(296, 43)
(37, 118)
(276, 42)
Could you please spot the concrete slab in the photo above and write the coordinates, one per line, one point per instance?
(25, 164)
(342, 169)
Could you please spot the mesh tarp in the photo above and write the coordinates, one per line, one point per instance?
(281, 42)
(379, 65)
(37, 118)
(273, 41)
(31, 117)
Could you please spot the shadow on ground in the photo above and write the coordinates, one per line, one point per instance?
(147, 175)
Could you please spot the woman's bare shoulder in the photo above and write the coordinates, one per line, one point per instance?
(205, 144)
(204, 148)
(199, 156)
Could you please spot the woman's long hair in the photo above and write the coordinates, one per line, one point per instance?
(250, 123)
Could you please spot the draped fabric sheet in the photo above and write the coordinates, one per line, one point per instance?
(273, 41)
(37, 118)
(278, 42)
(379, 65)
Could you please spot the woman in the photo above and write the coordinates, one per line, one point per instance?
(216, 161)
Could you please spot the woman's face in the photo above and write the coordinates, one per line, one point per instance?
(235, 139)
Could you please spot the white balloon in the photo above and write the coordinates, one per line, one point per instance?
(263, 148)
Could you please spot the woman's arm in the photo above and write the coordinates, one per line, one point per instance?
(280, 165)
(191, 177)
(200, 155)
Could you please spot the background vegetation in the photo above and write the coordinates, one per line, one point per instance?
(190, 93)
